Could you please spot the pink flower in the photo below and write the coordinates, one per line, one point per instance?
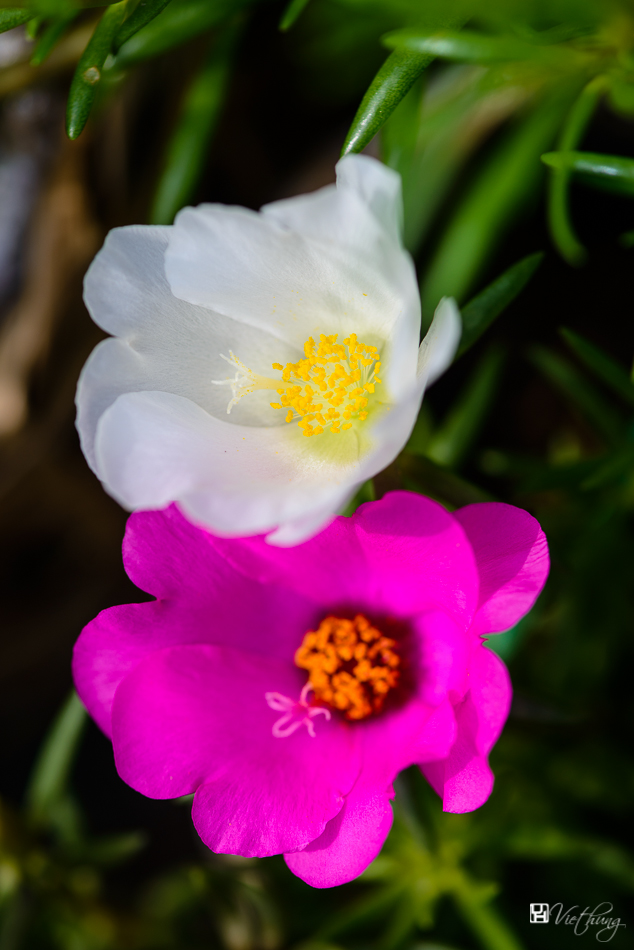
(288, 687)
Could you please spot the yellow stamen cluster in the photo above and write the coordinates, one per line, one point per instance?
(330, 386)
(351, 665)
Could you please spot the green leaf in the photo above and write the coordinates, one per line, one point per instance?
(482, 918)
(33, 26)
(176, 24)
(49, 39)
(13, 17)
(575, 125)
(187, 150)
(603, 171)
(611, 471)
(87, 76)
(114, 849)
(507, 643)
(579, 390)
(141, 15)
(499, 192)
(602, 365)
(469, 47)
(291, 13)
(482, 310)
(452, 441)
(394, 79)
(49, 779)
(427, 477)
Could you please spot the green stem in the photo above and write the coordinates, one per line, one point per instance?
(558, 212)
(50, 774)
(482, 919)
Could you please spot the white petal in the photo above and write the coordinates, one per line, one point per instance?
(439, 347)
(378, 186)
(296, 283)
(167, 344)
(153, 448)
(364, 208)
(294, 532)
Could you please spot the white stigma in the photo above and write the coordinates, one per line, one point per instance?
(242, 384)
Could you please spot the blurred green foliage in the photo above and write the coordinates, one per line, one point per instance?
(482, 107)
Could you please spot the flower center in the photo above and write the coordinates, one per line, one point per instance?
(327, 389)
(351, 665)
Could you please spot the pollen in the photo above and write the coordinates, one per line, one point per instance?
(326, 390)
(331, 385)
(351, 665)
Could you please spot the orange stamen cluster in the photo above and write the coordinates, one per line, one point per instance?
(331, 385)
(351, 665)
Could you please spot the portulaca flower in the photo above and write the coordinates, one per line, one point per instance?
(263, 365)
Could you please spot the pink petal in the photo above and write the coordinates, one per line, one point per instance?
(491, 692)
(464, 780)
(206, 601)
(402, 555)
(443, 652)
(350, 841)
(194, 718)
(402, 737)
(166, 555)
(355, 836)
(512, 557)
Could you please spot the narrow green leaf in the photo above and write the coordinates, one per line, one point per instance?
(482, 310)
(49, 39)
(47, 785)
(421, 433)
(482, 918)
(467, 46)
(573, 129)
(602, 365)
(507, 643)
(603, 171)
(452, 441)
(13, 17)
(499, 192)
(33, 26)
(176, 24)
(614, 470)
(366, 908)
(188, 147)
(427, 477)
(291, 13)
(394, 79)
(140, 16)
(87, 76)
(114, 849)
(580, 391)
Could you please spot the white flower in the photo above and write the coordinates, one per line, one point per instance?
(314, 304)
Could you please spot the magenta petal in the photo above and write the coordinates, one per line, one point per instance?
(443, 653)
(512, 556)
(349, 843)
(166, 555)
(206, 600)
(464, 780)
(196, 715)
(491, 693)
(401, 555)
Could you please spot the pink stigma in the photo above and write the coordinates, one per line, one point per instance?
(296, 714)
